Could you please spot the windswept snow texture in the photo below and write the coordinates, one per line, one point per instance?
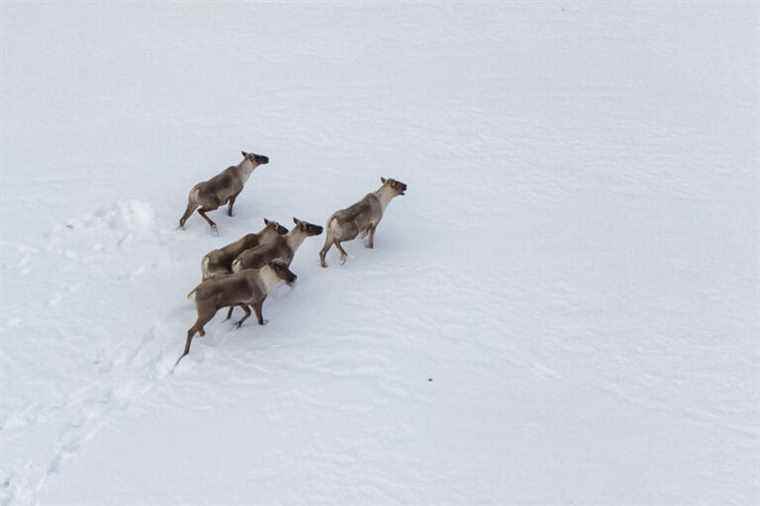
(563, 309)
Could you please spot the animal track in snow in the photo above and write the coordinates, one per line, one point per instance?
(109, 245)
(105, 229)
(128, 376)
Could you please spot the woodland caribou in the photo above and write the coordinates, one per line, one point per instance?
(360, 218)
(219, 261)
(247, 289)
(221, 189)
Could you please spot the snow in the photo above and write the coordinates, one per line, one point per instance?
(563, 308)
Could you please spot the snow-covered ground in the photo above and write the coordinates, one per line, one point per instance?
(563, 309)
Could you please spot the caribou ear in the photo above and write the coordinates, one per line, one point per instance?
(383, 180)
(245, 155)
(296, 220)
(266, 221)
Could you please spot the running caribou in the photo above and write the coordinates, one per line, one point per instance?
(360, 218)
(221, 189)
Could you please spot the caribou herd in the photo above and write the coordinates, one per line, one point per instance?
(242, 273)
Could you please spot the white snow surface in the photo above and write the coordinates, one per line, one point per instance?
(563, 309)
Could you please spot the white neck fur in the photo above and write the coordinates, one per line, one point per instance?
(246, 169)
(294, 238)
(385, 194)
(269, 278)
(267, 234)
